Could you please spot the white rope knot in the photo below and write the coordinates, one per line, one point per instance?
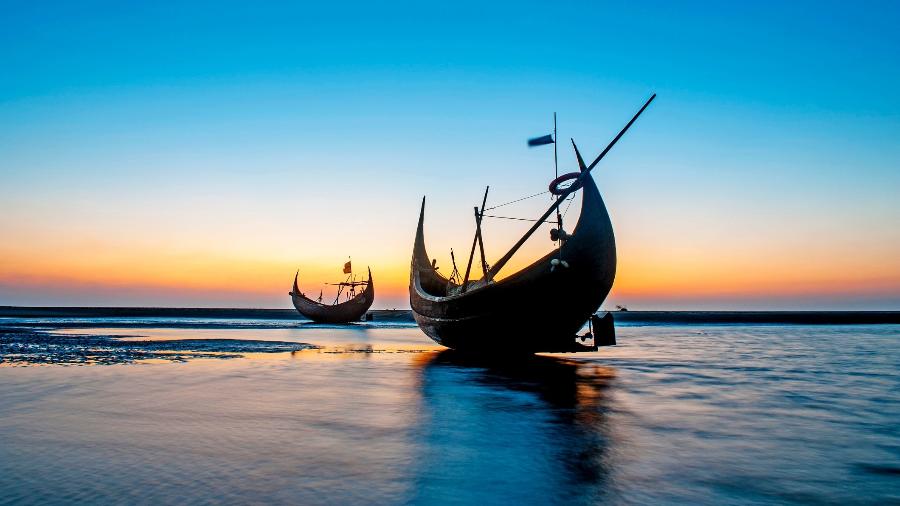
(558, 263)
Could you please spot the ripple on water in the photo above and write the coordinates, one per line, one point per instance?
(673, 415)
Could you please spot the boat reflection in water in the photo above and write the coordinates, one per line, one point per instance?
(724, 414)
(532, 428)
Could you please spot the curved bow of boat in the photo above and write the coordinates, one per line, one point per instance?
(592, 239)
(534, 309)
(422, 272)
(370, 288)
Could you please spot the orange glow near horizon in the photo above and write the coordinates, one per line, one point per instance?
(189, 262)
(159, 275)
(223, 242)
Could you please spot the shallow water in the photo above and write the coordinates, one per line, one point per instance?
(380, 415)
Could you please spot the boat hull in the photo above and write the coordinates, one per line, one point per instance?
(538, 309)
(348, 311)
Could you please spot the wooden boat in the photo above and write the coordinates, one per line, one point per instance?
(533, 310)
(351, 310)
(538, 309)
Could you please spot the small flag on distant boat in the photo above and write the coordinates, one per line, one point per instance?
(540, 141)
(347, 269)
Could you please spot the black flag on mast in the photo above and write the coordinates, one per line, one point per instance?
(540, 141)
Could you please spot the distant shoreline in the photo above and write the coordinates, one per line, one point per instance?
(635, 317)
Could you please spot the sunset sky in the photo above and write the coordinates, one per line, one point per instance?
(198, 154)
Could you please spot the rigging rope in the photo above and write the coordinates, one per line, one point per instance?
(512, 218)
(571, 199)
(517, 200)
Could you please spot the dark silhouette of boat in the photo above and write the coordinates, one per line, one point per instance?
(541, 307)
(350, 310)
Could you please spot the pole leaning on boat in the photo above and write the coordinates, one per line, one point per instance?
(539, 308)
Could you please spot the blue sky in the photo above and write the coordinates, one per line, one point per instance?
(270, 133)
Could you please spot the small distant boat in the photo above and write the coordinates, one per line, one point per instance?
(540, 308)
(359, 297)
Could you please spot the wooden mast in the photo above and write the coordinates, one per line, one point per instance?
(484, 269)
(476, 240)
